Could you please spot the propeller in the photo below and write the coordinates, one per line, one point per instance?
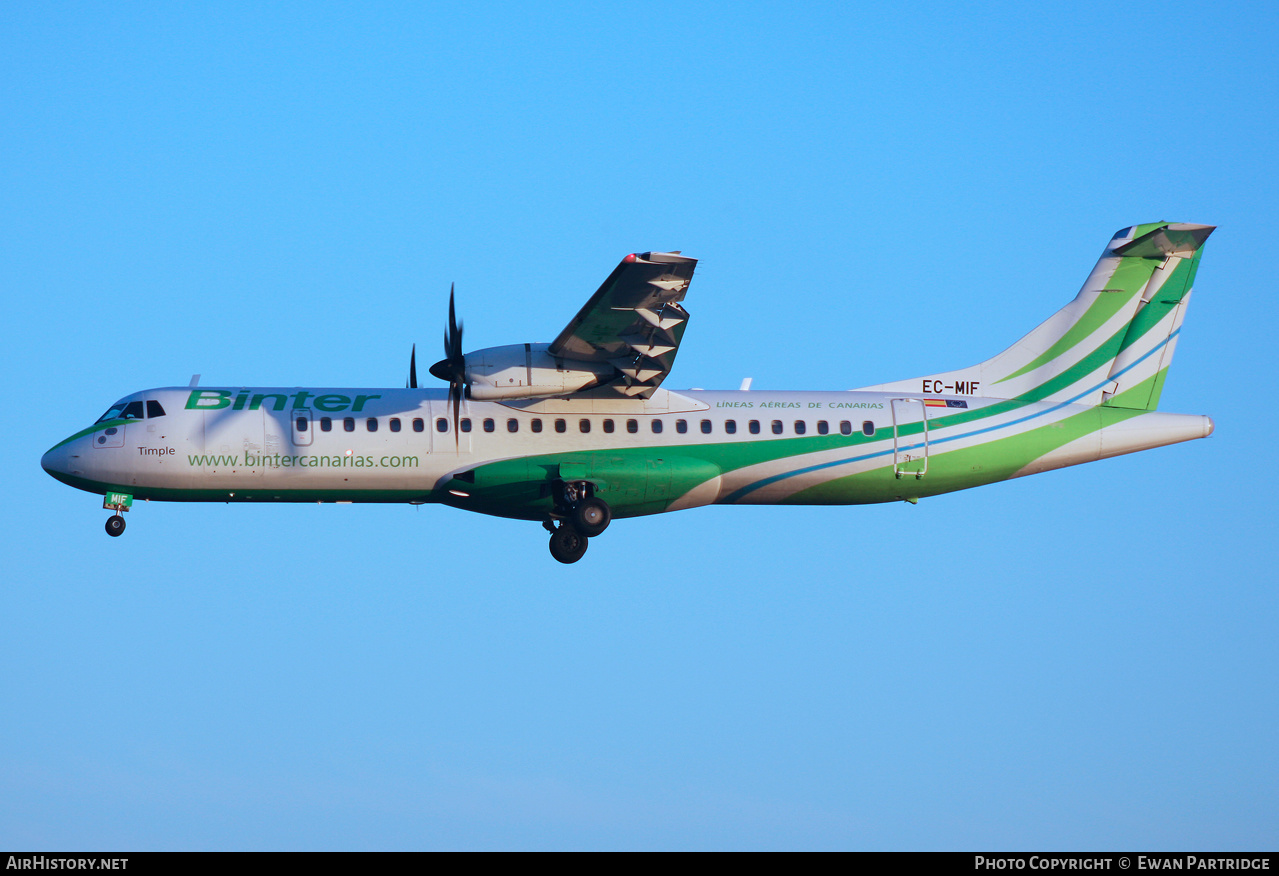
(453, 366)
(411, 383)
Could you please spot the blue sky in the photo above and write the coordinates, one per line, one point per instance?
(281, 196)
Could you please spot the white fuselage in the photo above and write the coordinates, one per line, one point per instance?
(668, 452)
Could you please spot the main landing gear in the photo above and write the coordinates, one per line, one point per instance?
(582, 517)
(567, 544)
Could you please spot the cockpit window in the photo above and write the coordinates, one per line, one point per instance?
(126, 411)
(113, 412)
(154, 409)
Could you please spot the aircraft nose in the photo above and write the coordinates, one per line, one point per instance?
(57, 461)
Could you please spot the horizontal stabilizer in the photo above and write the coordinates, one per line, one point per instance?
(1178, 238)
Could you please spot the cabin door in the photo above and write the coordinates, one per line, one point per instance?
(302, 424)
(910, 437)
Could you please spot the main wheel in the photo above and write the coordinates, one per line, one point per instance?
(591, 516)
(115, 525)
(568, 545)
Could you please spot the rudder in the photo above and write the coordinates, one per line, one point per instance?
(1138, 372)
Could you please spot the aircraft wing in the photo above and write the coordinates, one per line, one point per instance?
(634, 321)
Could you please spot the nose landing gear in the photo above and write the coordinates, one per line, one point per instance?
(119, 503)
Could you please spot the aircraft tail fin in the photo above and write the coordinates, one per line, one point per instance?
(1111, 345)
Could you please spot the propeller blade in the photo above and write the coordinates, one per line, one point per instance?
(454, 351)
(411, 383)
(455, 396)
(453, 366)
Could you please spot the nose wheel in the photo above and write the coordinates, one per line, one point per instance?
(115, 525)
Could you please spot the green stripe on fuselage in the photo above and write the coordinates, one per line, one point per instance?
(94, 428)
(519, 487)
(985, 463)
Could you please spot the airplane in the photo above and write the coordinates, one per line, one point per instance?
(579, 431)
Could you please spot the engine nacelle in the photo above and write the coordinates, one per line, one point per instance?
(529, 371)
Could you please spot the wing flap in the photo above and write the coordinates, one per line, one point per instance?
(633, 321)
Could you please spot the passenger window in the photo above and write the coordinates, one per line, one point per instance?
(730, 426)
(418, 425)
(800, 427)
(326, 424)
(561, 426)
(632, 426)
(489, 425)
(512, 425)
(154, 410)
(681, 426)
(395, 424)
(132, 411)
(823, 427)
(868, 428)
(754, 427)
(608, 425)
(845, 427)
(584, 424)
(466, 424)
(657, 427)
(706, 427)
(441, 425)
(371, 422)
(348, 423)
(777, 427)
(302, 423)
(536, 425)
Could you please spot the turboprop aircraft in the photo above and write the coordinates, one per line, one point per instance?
(580, 431)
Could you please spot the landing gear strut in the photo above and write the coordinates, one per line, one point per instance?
(582, 517)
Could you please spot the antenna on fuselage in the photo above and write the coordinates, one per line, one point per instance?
(195, 380)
